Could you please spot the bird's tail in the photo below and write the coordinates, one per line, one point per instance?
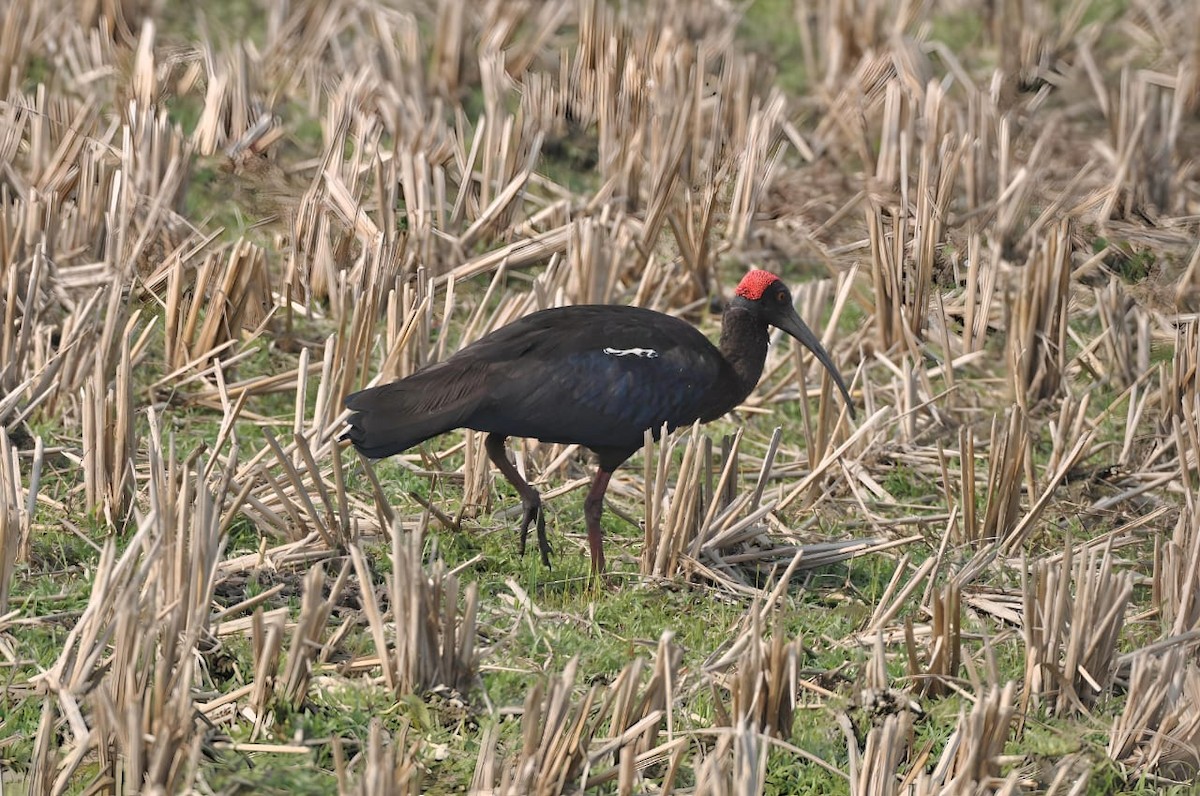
(394, 417)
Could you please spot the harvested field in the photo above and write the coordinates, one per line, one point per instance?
(218, 220)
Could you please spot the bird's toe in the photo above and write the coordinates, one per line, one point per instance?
(543, 542)
(532, 513)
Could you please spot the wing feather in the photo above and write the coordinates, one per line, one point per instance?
(599, 376)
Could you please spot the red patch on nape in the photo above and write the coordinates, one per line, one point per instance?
(755, 283)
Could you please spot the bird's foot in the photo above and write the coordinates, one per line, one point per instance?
(534, 512)
(543, 542)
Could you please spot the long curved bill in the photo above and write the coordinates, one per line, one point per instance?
(791, 323)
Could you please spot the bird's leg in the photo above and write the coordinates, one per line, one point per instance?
(593, 506)
(531, 501)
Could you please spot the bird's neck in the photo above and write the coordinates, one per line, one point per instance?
(744, 340)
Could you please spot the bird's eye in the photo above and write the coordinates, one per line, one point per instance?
(781, 297)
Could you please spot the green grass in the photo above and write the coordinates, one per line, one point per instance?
(768, 27)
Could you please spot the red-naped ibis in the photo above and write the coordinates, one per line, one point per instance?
(597, 376)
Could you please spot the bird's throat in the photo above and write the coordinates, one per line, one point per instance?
(744, 339)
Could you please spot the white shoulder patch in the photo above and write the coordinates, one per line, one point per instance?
(646, 353)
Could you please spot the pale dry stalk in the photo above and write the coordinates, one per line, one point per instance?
(390, 765)
(906, 231)
(1176, 580)
(12, 522)
(1143, 152)
(436, 637)
(109, 438)
(876, 771)
(1008, 451)
(306, 646)
(971, 760)
(129, 664)
(762, 688)
(556, 732)
(944, 652)
(635, 715)
(1071, 638)
(1037, 322)
(736, 764)
(1158, 730)
(1125, 332)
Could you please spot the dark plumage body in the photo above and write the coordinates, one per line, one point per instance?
(597, 376)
